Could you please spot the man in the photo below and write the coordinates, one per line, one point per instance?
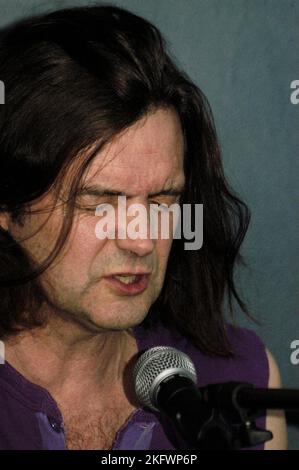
(95, 109)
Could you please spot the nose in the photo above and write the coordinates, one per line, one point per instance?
(139, 246)
(133, 234)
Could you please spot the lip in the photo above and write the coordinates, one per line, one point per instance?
(129, 289)
(130, 273)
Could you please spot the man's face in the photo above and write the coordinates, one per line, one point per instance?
(146, 159)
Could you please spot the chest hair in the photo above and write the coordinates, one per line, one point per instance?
(94, 429)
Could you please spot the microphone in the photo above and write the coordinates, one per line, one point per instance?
(155, 367)
(165, 380)
(204, 418)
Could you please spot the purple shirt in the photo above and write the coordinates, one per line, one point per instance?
(30, 418)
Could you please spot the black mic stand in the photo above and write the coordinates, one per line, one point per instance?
(221, 416)
(234, 407)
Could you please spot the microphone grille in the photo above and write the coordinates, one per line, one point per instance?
(157, 364)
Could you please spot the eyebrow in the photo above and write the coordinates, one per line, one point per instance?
(101, 191)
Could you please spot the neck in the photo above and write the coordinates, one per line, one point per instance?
(68, 360)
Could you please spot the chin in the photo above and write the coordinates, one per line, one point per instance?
(120, 323)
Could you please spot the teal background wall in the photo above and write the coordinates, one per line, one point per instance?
(243, 54)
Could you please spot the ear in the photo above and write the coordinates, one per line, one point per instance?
(4, 220)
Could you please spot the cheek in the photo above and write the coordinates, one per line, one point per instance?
(83, 245)
(73, 264)
(38, 240)
(163, 248)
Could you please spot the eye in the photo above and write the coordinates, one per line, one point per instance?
(102, 208)
(161, 206)
(90, 204)
(89, 209)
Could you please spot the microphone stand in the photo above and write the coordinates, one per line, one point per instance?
(220, 416)
(234, 407)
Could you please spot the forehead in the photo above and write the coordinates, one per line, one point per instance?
(145, 157)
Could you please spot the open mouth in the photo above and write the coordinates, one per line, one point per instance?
(129, 284)
(126, 279)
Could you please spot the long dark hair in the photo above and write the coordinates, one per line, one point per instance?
(75, 78)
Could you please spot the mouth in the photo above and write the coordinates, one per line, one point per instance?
(129, 284)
